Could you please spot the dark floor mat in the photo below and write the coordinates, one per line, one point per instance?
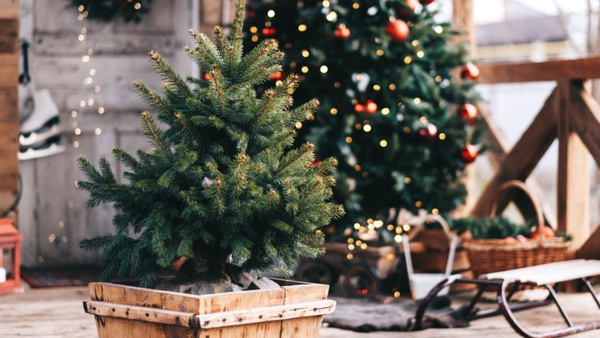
(45, 278)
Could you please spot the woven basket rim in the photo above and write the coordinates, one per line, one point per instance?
(503, 245)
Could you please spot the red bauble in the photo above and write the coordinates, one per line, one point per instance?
(469, 71)
(397, 30)
(429, 131)
(469, 154)
(315, 162)
(342, 32)
(276, 76)
(268, 31)
(468, 112)
(371, 107)
(359, 108)
(250, 14)
(207, 77)
(410, 11)
(426, 2)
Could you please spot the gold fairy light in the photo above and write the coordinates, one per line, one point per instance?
(332, 16)
(417, 100)
(398, 238)
(271, 13)
(385, 111)
(383, 143)
(324, 69)
(298, 125)
(376, 87)
(367, 128)
(302, 28)
(326, 3)
(348, 139)
(304, 69)
(356, 5)
(407, 180)
(305, 53)
(137, 6)
(420, 54)
(390, 227)
(380, 52)
(408, 60)
(333, 111)
(442, 136)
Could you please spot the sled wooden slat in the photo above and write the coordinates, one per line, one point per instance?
(295, 310)
(551, 273)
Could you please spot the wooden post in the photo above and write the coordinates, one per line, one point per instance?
(462, 16)
(573, 207)
(9, 115)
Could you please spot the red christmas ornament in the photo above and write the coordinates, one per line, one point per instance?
(371, 107)
(268, 31)
(397, 30)
(207, 77)
(468, 112)
(276, 76)
(407, 12)
(250, 14)
(429, 131)
(315, 162)
(359, 108)
(426, 2)
(342, 32)
(469, 71)
(469, 154)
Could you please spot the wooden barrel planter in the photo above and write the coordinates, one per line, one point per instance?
(295, 310)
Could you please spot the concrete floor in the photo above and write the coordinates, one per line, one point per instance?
(59, 313)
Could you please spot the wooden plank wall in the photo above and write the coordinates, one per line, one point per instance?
(9, 121)
(52, 212)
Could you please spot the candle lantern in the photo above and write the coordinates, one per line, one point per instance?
(10, 258)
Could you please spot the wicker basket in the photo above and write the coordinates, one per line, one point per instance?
(493, 255)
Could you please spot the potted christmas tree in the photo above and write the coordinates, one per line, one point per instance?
(221, 191)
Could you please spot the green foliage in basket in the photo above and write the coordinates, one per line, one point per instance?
(491, 228)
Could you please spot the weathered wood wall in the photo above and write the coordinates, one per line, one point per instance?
(52, 213)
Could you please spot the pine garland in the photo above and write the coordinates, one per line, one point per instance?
(222, 186)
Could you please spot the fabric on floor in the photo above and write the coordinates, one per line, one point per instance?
(368, 315)
(43, 278)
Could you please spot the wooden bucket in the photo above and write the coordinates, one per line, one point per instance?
(295, 310)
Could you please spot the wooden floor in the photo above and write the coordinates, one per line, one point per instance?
(59, 313)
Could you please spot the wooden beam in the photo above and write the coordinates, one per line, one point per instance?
(573, 189)
(523, 157)
(589, 250)
(585, 120)
(555, 70)
(9, 9)
(500, 147)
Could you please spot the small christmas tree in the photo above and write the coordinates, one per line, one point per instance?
(222, 186)
(394, 111)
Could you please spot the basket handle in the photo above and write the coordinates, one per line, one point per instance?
(536, 204)
(436, 218)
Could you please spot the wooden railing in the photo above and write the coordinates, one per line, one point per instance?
(571, 115)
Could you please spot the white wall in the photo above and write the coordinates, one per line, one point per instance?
(51, 205)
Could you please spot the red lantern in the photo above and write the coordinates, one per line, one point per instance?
(468, 112)
(342, 32)
(10, 244)
(397, 30)
(371, 107)
(469, 71)
(469, 154)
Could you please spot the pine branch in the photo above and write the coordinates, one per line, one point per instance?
(168, 72)
(308, 147)
(238, 26)
(152, 132)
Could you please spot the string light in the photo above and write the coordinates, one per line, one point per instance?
(376, 87)
(392, 86)
(304, 69)
(417, 100)
(407, 180)
(332, 16)
(326, 4)
(367, 128)
(380, 52)
(333, 111)
(323, 69)
(305, 53)
(383, 143)
(385, 111)
(137, 6)
(415, 43)
(356, 5)
(298, 125)
(398, 238)
(253, 29)
(442, 136)
(408, 60)
(98, 131)
(435, 211)
(302, 28)
(348, 139)
(438, 29)
(271, 13)
(420, 54)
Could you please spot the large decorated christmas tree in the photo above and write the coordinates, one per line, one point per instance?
(397, 98)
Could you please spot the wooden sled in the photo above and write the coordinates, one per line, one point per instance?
(508, 282)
